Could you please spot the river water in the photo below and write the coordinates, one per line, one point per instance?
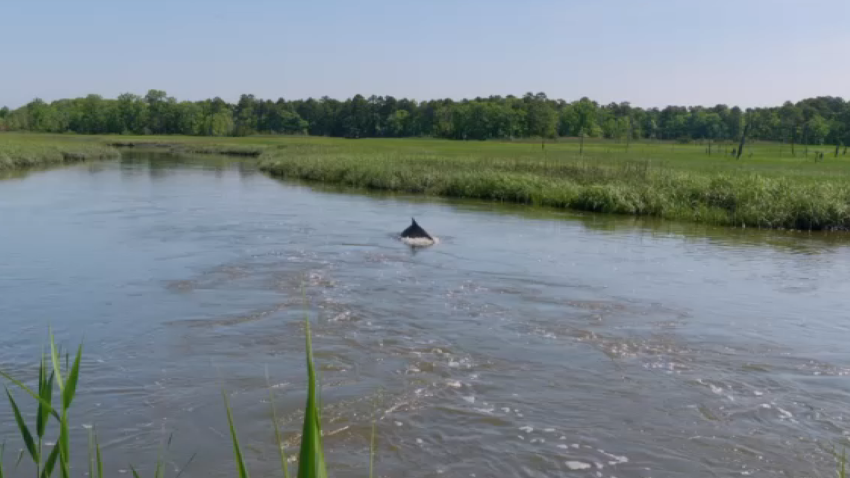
(527, 343)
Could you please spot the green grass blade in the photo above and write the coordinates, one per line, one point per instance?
(71, 383)
(98, 456)
(45, 393)
(50, 464)
(135, 473)
(311, 462)
(25, 431)
(2, 451)
(159, 472)
(29, 391)
(64, 446)
(54, 357)
(39, 417)
(283, 465)
(237, 451)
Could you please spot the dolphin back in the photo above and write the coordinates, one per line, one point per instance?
(415, 231)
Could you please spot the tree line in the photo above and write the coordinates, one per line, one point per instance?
(811, 121)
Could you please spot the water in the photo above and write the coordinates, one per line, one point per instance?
(527, 343)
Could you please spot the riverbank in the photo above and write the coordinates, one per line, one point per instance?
(723, 191)
(767, 188)
(35, 151)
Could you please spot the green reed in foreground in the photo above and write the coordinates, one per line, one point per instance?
(311, 455)
(311, 461)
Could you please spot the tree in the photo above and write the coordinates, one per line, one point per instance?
(818, 129)
(586, 115)
(245, 119)
(541, 120)
(156, 100)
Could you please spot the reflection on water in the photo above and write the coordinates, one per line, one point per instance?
(530, 342)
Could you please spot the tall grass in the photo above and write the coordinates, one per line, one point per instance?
(17, 152)
(602, 184)
(311, 454)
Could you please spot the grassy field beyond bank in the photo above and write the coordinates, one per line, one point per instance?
(764, 189)
(767, 187)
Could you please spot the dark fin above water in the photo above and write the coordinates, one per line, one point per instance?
(414, 231)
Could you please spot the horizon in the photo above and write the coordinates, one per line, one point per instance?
(763, 53)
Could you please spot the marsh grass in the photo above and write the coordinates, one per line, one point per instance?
(723, 192)
(673, 181)
(34, 151)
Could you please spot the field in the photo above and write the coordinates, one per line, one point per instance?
(767, 187)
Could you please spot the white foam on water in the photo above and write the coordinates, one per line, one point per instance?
(577, 465)
(549, 430)
(615, 459)
(527, 429)
(785, 413)
(506, 410)
(454, 383)
(419, 441)
(420, 241)
(87, 426)
(758, 393)
(470, 399)
(563, 446)
(399, 424)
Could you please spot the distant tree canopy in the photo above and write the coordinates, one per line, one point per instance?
(810, 121)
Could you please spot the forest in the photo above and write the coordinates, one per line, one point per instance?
(821, 120)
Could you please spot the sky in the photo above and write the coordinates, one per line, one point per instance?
(649, 53)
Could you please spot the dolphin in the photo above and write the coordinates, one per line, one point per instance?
(414, 235)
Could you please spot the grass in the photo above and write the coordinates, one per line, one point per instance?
(766, 188)
(311, 455)
(667, 181)
(21, 151)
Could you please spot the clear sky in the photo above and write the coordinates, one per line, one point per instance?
(649, 52)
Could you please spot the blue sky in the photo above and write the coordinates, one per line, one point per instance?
(650, 52)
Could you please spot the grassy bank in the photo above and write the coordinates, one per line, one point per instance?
(34, 151)
(767, 188)
(668, 181)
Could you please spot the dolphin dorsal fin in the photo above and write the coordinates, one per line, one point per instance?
(413, 222)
